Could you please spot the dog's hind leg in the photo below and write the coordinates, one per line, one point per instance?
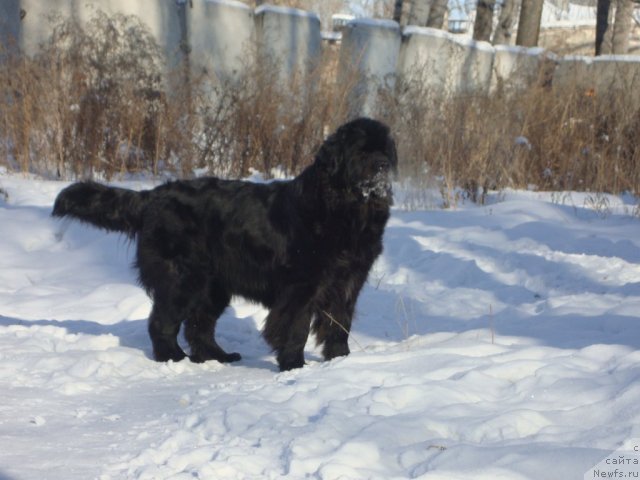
(164, 325)
(200, 328)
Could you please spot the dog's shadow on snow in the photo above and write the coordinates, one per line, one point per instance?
(131, 334)
(389, 310)
(110, 255)
(240, 334)
(527, 292)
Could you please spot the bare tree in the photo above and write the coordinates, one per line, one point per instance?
(613, 26)
(622, 26)
(437, 13)
(419, 12)
(529, 24)
(483, 25)
(603, 13)
(397, 10)
(504, 28)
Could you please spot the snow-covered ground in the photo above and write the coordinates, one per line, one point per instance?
(491, 342)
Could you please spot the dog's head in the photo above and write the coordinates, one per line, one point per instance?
(361, 157)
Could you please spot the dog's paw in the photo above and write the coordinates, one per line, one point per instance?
(204, 354)
(333, 350)
(165, 354)
(290, 360)
(231, 357)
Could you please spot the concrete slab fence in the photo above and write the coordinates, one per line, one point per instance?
(223, 37)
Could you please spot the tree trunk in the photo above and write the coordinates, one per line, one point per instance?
(397, 11)
(483, 25)
(603, 33)
(503, 33)
(419, 12)
(436, 14)
(529, 24)
(622, 27)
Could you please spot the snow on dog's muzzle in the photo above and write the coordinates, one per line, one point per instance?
(379, 185)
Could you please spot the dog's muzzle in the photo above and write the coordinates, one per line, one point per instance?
(378, 186)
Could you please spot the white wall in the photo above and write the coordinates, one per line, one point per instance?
(445, 63)
(601, 75)
(160, 16)
(517, 68)
(222, 34)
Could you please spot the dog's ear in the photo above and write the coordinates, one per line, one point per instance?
(393, 155)
(329, 157)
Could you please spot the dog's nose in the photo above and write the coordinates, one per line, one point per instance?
(382, 166)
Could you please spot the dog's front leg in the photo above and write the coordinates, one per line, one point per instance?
(335, 308)
(287, 326)
(291, 354)
(332, 327)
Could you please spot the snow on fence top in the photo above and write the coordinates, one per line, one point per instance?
(461, 40)
(374, 23)
(229, 3)
(616, 58)
(286, 11)
(518, 50)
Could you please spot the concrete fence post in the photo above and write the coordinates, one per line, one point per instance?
(368, 61)
(221, 38)
(618, 73)
(517, 68)
(290, 39)
(574, 72)
(32, 25)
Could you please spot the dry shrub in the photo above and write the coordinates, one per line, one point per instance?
(262, 122)
(89, 101)
(97, 101)
(544, 138)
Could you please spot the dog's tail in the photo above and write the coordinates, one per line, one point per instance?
(110, 208)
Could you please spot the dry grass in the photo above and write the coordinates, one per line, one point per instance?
(547, 138)
(97, 101)
(88, 102)
(94, 102)
(259, 123)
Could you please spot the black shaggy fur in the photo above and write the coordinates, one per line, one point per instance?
(303, 248)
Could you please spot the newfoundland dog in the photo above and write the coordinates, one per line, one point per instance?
(302, 248)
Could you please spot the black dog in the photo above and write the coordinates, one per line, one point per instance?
(303, 248)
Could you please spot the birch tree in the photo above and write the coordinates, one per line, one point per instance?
(622, 27)
(504, 29)
(397, 10)
(483, 26)
(437, 13)
(613, 26)
(529, 23)
(419, 12)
